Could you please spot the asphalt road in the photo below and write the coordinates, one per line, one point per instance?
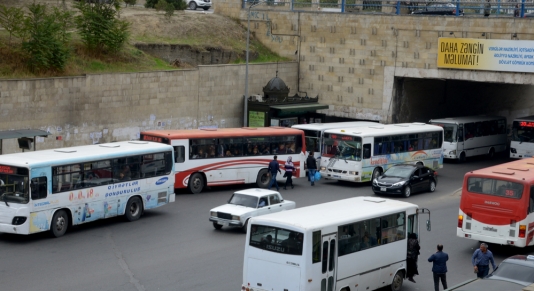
(175, 247)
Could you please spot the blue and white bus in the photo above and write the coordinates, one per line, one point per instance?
(51, 190)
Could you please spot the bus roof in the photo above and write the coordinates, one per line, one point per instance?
(386, 129)
(324, 126)
(222, 132)
(516, 171)
(464, 119)
(335, 213)
(82, 153)
(529, 118)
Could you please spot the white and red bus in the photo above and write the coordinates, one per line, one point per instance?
(497, 204)
(225, 156)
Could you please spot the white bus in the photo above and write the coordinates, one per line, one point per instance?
(361, 154)
(338, 245)
(472, 136)
(522, 144)
(55, 189)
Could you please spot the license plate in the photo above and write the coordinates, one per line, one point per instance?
(383, 189)
(223, 223)
(336, 176)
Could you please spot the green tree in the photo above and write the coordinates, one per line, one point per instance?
(130, 2)
(99, 27)
(11, 19)
(44, 48)
(178, 4)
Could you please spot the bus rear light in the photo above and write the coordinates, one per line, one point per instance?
(468, 235)
(522, 230)
(460, 220)
(510, 242)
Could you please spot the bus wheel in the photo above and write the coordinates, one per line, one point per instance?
(491, 153)
(396, 285)
(462, 157)
(407, 191)
(196, 183)
(217, 226)
(263, 179)
(376, 173)
(60, 223)
(134, 208)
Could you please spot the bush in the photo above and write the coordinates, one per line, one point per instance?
(11, 19)
(130, 2)
(178, 4)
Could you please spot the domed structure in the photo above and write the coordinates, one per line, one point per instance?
(276, 88)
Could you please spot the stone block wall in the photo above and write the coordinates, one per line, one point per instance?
(100, 108)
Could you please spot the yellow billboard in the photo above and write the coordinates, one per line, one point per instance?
(486, 54)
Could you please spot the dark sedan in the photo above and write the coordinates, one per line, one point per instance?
(405, 179)
(439, 9)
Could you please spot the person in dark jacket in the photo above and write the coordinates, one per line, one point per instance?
(312, 167)
(413, 254)
(439, 267)
(274, 169)
(289, 167)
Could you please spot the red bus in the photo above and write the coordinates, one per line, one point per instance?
(497, 204)
(225, 156)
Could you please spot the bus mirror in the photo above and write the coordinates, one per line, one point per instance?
(428, 225)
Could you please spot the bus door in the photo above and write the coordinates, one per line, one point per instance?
(460, 140)
(329, 252)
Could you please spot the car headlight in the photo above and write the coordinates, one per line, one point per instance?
(213, 213)
(353, 173)
(375, 182)
(452, 152)
(398, 184)
(235, 217)
(323, 168)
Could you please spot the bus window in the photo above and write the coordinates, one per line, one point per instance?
(38, 188)
(179, 154)
(316, 249)
(470, 130)
(495, 187)
(367, 151)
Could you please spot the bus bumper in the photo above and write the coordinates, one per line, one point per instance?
(16, 229)
(339, 176)
(490, 239)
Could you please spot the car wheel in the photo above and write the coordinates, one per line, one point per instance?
(217, 226)
(60, 223)
(432, 186)
(134, 209)
(192, 5)
(206, 8)
(407, 191)
(376, 173)
(262, 181)
(396, 285)
(196, 183)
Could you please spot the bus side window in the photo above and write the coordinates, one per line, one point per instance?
(316, 248)
(39, 188)
(460, 134)
(179, 154)
(367, 151)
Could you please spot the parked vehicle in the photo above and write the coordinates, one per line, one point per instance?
(246, 204)
(405, 179)
(194, 4)
(513, 274)
(439, 9)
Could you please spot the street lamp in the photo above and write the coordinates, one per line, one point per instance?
(245, 117)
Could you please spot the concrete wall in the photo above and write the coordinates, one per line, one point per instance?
(351, 60)
(112, 107)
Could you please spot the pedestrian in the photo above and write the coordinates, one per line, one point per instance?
(274, 169)
(481, 260)
(487, 8)
(312, 167)
(439, 267)
(413, 254)
(289, 173)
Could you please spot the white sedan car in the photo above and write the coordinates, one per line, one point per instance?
(246, 204)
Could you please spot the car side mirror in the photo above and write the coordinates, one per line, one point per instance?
(415, 177)
(428, 226)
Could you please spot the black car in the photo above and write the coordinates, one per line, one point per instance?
(438, 9)
(405, 179)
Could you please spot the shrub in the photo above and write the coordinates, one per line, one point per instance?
(178, 4)
(11, 19)
(130, 2)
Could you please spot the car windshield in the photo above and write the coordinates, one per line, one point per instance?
(515, 272)
(14, 185)
(401, 172)
(244, 200)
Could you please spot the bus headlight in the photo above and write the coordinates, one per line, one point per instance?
(235, 217)
(398, 184)
(452, 152)
(213, 213)
(323, 168)
(18, 220)
(513, 150)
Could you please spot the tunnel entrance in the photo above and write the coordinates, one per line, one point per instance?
(419, 100)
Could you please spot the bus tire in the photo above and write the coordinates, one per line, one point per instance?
(491, 153)
(244, 228)
(196, 183)
(407, 191)
(134, 209)
(262, 181)
(60, 223)
(462, 157)
(432, 187)
(376, 173)
(217, 226)
(396, 284)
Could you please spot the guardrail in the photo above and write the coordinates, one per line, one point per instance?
(484, 8)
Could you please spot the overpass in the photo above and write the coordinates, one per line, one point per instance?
(373, 60)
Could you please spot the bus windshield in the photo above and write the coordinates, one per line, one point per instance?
(13, 185)
(495, 187)
(275, 239)
(312, 140)
(343, 147)
(244, 200)
(449, 131)
(522, 131)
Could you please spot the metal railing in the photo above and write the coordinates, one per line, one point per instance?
(474, 8)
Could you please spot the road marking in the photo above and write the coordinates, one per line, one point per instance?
(457, 192)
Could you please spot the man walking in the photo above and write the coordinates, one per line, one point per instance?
(481, 259)
(312, 167)
(439, 267)
(274, 169)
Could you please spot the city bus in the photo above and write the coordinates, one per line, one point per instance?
(359, 241)
(362, 154)
(51, 190)
(226, 156)
(470, 136)
(314, 133)
(497, 204)
(522, 144)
